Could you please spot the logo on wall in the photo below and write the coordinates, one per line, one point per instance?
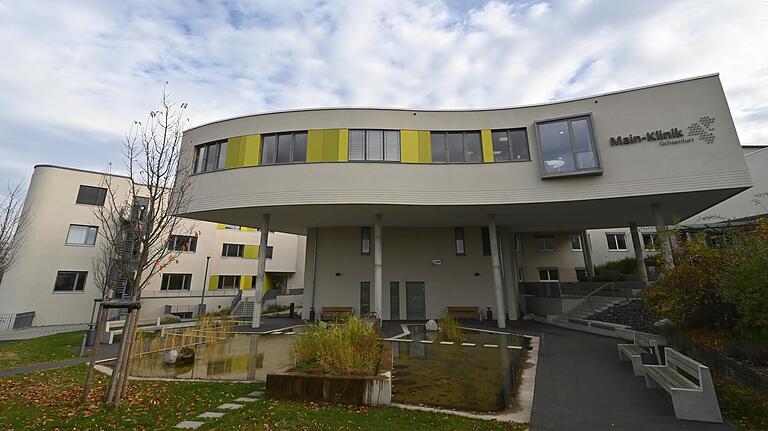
(702, 130)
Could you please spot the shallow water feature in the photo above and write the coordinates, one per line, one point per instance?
(240, 357)
(470, 378)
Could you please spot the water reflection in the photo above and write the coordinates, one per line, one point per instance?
(481, 379)
(241, 357)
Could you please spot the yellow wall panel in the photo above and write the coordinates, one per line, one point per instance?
(425, 146)
(315, 146)
(409, 146)
(233, 153)
(330, 145)
(245, 282)
(487, 146)
(268, 285)
(213, 282)
(343, 145)
(252, 145)
(251, 251)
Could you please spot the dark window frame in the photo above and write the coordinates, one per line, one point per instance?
(291, 151)
(365, 241)
(444, 134)
(186, 281)
(176, 243)
(236, 278)
(594, 144)
(384, 153)
(226, 248)
(82, 244)
(549, 271)
(485, 233)
(221, 156)
(460, 241)
(365, 308)
(581, 246)
(650, 244)
(616, 236)
(100, 195)
(545, 237)
(78, 285)
(509, 144)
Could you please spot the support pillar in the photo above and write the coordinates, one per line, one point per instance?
(639, 257)
(509, 270)
(261, 273)
(663, 235)
(587, 253)
(377, 268)
(496, 263)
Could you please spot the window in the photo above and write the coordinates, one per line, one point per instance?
(649, 241)
(581, 274)
(456, 147)
(575, 242)
(394, 300)
(70, 281)
(510, 144)
(365, 298)
(232, 250)
(81, 235)
(210, 156)
(182, 243)
(176, 282)
(89, 195)
(270, 249)
(567, 146)
(279, 148)
(545, 242)
(616, 241)
(229, 282)
(549, 274)
(460, 248)
(365, 240)
(486, 239)
(374, 145)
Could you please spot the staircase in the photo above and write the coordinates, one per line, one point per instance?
(243, 310)
(594, 304)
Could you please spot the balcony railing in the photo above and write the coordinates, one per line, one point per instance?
(188, 293)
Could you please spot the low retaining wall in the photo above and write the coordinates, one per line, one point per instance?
(359, 390)
(722, 364)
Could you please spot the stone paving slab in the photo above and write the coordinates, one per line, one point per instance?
(189, 425)
(211, 415)
(229, 406)
(245, 400)
(256, 394)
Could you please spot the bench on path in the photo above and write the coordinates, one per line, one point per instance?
(469, 312)
(334, 312)
(641, 343)
(689, 383)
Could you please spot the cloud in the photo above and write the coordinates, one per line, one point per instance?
(77, 73)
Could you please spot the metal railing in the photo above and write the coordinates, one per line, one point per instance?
(188, 293)
(236, 300)
(567, 308)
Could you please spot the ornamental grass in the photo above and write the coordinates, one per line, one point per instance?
(351, 347)
(451, 329)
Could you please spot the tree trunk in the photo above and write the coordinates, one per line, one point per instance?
(123, 388)
(94, 350)
(118, 370)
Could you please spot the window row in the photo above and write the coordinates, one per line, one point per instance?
(614, 241)
(238, 250)
(459, 241)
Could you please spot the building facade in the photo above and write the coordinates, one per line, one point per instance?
(53, 276)
(408, 212)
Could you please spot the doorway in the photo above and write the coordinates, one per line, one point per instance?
(415, 307)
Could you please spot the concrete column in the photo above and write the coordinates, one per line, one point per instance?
(587, 253)
(377, 268)
(261, 273)
(639, 258)
(663, 235)
(310, 273)
(496, 263)
(509, 268)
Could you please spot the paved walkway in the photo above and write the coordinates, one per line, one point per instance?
(40, 331)
(582, 385)
(106, 351)
(267, 325)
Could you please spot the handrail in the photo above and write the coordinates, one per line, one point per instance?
(583, 299)
(236, 300)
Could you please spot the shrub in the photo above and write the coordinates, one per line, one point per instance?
(745, 282)
(169, 318)
(451, 329)
(349, 348)
(751, 345)
(615, 270)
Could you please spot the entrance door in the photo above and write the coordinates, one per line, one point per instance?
(415, 308)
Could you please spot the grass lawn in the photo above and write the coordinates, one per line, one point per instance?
(49, 400)
(44, 349)
(743, 406)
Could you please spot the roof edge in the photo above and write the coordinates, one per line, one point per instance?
(87, 171)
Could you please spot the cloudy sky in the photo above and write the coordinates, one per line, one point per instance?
(76, 73)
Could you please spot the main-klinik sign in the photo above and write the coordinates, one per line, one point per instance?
(702, 129)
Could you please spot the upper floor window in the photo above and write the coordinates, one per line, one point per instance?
(288, 147)
(549, 274)
(70, 281)
(89, 195)
(229, 281)
(545, 242)
(616, 241)
(176, 282)
(182, 243)
(575, 242)
(81, 235)
(486, 240)
(365, 240)
(510, 144)
(456, 147)
(374, 145)
(232, 250)
(461, 249)
(649, 241)
(567, 146)
(210, 156)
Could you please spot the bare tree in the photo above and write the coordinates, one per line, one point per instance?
(13, 221)
(139, 215)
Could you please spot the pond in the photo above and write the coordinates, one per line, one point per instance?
(243, 357)
(462, 377)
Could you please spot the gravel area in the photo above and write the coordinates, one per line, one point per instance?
(632, 314)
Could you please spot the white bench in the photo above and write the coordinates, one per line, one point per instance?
(642, 344)
(689, 383)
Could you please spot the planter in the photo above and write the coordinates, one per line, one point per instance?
(373, 390)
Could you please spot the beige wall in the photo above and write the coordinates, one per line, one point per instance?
(51, 206)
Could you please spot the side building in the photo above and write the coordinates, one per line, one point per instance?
(53, 278)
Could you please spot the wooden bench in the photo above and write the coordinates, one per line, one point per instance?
(689, 383)
(463, 312)
(642, 344)
(334, 312)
